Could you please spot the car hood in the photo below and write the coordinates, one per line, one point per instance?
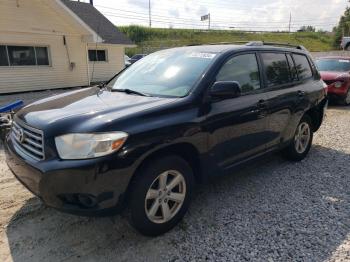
(329, 76)
(91, 104)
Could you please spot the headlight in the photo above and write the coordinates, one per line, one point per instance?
(83, 146)
(338, 84)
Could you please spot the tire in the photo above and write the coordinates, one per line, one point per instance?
(347, 48)
(346, 100)
(296, 151)
(148, 218)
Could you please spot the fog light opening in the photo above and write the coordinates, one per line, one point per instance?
(87, 201)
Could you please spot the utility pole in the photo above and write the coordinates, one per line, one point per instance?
(290, 20)
(209, 21)
(149, 13)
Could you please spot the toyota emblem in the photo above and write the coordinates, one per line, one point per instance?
(20, 135)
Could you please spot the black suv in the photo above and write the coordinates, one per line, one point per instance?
(175, 118)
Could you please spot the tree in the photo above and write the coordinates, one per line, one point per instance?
(343, 27)
(307, 28)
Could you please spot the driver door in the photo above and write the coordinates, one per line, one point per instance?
(237, 126)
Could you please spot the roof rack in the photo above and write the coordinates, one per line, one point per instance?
(256, 43)
(262, 43)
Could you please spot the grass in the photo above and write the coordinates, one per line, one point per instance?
(153, 39)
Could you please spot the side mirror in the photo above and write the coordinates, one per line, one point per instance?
(225, 89)
(102, 84)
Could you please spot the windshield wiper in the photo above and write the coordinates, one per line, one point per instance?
(130, 91)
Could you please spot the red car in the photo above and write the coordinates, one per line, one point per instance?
(335, 72)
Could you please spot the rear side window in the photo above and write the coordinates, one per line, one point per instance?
(242, 69)
(276, 69)
(303, 66)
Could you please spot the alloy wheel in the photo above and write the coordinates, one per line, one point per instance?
(165, 196)
(302, 137)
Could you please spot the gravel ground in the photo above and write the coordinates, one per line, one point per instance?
(272, 211)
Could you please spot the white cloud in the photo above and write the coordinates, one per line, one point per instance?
(252, 15)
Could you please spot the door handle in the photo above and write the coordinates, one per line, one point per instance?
(262, 104)
(301, 93)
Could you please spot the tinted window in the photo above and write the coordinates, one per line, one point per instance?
(303, 66)
(42, 56)
(292, 69)
(21, 55)
(97, 55)
(243, 69)
(3, 56)
(276, 68)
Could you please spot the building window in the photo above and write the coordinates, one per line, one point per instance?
(42, 56)
(97, 56)
(23, 56)
(3, 56)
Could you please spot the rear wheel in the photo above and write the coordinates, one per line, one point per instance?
(346, 99)
(302, 141)
(161, 195)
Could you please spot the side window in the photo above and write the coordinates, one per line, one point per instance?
(293, 70)
(303, 66)
(243, 69)
(276, 68)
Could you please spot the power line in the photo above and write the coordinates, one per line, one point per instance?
(224, 7)
(193, 23)
(216, 20)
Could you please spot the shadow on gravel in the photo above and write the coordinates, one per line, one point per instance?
(339, 107)
(274, 210)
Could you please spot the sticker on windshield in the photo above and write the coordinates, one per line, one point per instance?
(202, 55)
(344, 61)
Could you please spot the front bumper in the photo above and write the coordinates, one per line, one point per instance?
(70, 185)
(336, 93)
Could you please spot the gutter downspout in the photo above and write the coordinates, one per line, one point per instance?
(87, 63)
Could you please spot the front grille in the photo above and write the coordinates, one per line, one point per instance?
(28, 140)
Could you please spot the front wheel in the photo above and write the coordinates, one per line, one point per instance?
(302, 141)
(160, 195)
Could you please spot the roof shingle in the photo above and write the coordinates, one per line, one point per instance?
(98, 22)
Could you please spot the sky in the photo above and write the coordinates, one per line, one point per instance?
(254, 15)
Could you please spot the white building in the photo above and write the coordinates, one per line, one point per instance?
(46, 44)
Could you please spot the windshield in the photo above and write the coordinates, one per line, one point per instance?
(166, 73)
(335, 65)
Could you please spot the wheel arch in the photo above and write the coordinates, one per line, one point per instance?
(186, 151)
(347, 45)
(316, 115)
